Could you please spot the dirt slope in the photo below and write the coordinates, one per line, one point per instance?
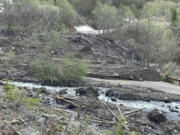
(107, 57)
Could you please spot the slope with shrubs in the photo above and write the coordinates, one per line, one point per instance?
(57, 71)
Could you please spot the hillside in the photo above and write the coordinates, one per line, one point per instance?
(89, 67)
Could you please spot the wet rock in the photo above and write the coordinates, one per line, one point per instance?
(172, 109)
(89, 92)
(30, 94)
(70, 106)
(109, 93)
(44, 91)
(63, 92)
(157, 116)
(113, 99)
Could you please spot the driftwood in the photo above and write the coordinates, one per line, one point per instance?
(134, 111)
(106, 76)
(111, 112)
(119, 110)
(122, 117)
(76, 102)
(103, 122)
(67, 101)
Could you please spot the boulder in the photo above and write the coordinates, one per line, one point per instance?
(88, 92)
(63, 92)
(157, 116)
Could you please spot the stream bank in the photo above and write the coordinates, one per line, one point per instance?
(90, 102)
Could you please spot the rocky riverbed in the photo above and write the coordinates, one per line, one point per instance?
(63, 107)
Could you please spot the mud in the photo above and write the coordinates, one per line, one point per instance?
(106, 57)
(140, 93)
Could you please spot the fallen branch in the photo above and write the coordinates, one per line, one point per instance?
(102, 76)
(119, 110)
(111, 112)
(67, 101)
(134, 111)
(103, 122)
(122, 117)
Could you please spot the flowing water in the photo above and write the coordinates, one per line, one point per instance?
(146, 106)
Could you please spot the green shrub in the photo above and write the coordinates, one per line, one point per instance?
(54, 71)
(32, 102)
(8, 86)
(86, 9)
(14, 94)
(67, 13)
(103, 13)
(55, 40)
(19, 96)
(119, 129)
(158, 9)
(11, 55)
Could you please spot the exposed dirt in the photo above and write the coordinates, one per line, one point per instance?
(46, 119)
(140, 93)
(107, 57)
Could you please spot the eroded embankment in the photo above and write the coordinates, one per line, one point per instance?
(93, 102)
(137, 98)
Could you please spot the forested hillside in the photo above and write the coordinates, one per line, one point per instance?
(150, 27)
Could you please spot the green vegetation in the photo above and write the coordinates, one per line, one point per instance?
(55, 71)
(10, 55)
(18, 96)
(152, 26)
(158, 9)
(106, 17)
(39, 15)
(119, 129)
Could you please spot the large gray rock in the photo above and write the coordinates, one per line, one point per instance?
(91, 92)
(157, 116)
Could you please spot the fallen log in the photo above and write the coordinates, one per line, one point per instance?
(172, 79)
(122, 117)
(134, 111)
(111, 112)
(119, 110)
(67, 101)
(117, 77)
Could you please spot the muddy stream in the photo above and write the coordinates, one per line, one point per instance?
(146, 106)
